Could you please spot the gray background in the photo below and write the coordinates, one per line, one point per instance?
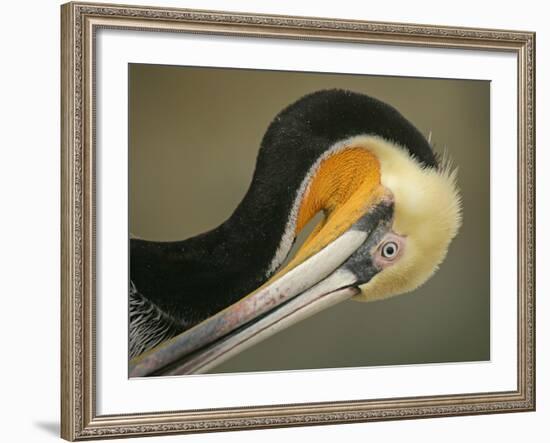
(194, 136)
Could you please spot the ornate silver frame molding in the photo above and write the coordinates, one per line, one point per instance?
(79, 24)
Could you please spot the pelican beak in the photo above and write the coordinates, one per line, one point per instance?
(321, 275)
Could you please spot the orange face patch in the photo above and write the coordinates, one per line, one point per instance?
(344, 187)
(337, 179)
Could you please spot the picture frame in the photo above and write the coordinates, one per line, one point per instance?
(80, 179)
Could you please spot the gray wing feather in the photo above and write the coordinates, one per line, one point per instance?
(148, 325)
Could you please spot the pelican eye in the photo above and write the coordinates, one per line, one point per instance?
(389, 250)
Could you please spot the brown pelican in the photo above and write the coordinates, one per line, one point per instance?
(391, 208)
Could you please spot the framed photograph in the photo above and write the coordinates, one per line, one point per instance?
(281, 221)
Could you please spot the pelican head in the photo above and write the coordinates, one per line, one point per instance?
(426, 217)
